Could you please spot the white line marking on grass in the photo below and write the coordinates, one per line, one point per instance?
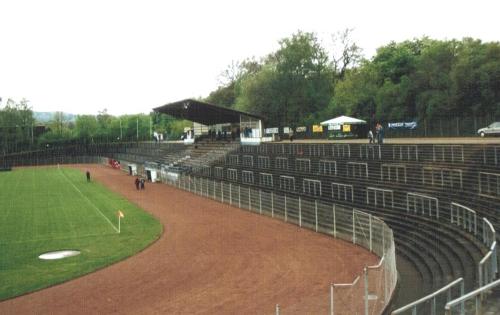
(90, 201)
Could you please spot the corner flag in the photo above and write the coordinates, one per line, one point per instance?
(120, 216)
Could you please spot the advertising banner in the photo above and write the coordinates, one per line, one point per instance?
(272, 130)
(402, 125)
(317, 128)
(333, 127)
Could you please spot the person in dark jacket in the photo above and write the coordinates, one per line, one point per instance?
(142, 183)
(137, 182)
(88, 176)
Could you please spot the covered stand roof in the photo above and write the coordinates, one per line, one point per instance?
(343, 120)
(203, 113)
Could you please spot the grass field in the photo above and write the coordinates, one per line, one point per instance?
(47, 209)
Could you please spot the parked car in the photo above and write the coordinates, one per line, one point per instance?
(491, 130)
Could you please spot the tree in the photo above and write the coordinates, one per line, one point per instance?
(230, 82)
(86, 127)
(16, 125)
(345, 53)
(301, 79)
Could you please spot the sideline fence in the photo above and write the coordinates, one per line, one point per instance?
(369, 295)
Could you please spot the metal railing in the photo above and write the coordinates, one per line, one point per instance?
(477, 294)
(488, 266)
(432, 297)
(464, 217)
(349, 224)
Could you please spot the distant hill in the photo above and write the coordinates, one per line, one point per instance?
(44, 117)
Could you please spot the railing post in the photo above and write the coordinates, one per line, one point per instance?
(384, 266)
(331, 300)
(316, 213)
(239, 196)
(334, 222)
(300, 212)
(484, 233)
(353, 228)
(230, 194)
(370, 226)
(366, 290)
(277, 309)
(462, 304)
(222, 191)
(383, 239)
(249, 199)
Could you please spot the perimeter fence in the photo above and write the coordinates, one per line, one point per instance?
(372, 290)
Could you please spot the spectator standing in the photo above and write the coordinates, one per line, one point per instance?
(377, 132)
(137, 182)
(88, 176)
(381, 135)
(370, 136)
(142, 183)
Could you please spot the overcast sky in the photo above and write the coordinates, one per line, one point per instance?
(131, 56)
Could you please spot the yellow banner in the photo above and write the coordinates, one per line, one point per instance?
(317, 128)
(346, 128)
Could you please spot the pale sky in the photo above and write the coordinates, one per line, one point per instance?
(130, 56)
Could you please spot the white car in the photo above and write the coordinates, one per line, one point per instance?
(491, 130)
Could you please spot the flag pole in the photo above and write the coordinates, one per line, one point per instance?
(120, 216)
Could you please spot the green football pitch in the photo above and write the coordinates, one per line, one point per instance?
(50, 209)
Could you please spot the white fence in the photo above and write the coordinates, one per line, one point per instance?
(369, 296)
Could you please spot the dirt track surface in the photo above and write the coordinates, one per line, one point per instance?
(211, 259)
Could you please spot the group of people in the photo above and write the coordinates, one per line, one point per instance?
(139, 183)
(379, 134)
(224, 135)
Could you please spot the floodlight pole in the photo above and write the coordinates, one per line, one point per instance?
(150, 127)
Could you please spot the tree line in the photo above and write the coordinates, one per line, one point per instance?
(20, 131)
(303, 83)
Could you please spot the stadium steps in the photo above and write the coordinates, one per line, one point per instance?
(492, 302)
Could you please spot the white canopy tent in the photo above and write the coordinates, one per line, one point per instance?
(343, 120)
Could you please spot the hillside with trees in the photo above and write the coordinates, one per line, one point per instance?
(302, 83)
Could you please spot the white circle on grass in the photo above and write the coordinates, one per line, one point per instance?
(60, 254)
